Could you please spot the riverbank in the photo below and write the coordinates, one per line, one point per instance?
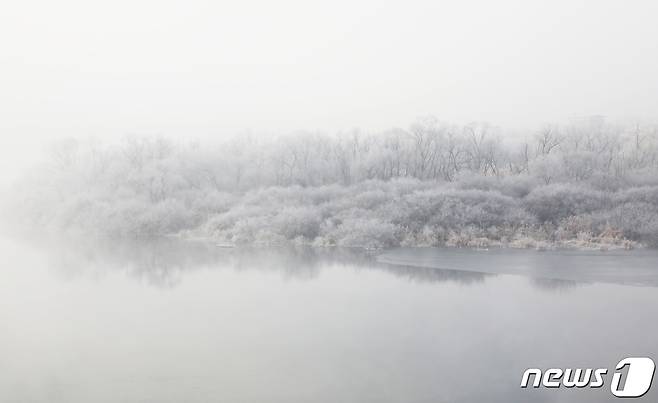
(584, 242)
(371, 215)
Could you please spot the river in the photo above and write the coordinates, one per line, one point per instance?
(171, 321)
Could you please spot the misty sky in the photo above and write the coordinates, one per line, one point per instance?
(204, 67)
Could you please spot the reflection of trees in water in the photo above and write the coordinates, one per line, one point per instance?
(434, 275)
(163, 262)
(160, 261)
(553, 284)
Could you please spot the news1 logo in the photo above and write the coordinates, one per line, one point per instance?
(635, 383)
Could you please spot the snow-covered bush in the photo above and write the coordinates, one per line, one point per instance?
(433, 184)
(364, 232)
(558, 201)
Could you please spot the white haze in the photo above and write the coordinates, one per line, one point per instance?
(208, 68)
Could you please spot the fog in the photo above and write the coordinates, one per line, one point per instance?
(587, 186)
(202, 68)
(170, 323)
(293, 201)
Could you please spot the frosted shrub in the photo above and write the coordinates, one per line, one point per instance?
(555, 202)
(249, 230)
(428, 185)
(636, 220)
(472, 208)
(212, 202)
(370, 199)
(644, 194)
(295, 222)
(365, 233)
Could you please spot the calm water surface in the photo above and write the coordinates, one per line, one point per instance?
(169, 321)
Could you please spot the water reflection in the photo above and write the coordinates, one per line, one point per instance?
(433, 275)
(226, 325)
(555, 285)
(550, 269)
(163, 262)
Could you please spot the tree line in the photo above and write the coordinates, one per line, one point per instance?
(580, 176)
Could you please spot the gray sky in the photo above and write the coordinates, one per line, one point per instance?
(198, 67)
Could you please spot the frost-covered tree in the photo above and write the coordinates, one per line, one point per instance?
(432, 183)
